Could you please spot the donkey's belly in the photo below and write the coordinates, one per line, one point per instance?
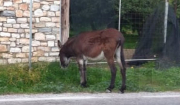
(97, 58)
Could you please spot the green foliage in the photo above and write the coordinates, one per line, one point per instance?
(48, 77)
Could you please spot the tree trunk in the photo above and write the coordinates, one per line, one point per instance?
(65, 4)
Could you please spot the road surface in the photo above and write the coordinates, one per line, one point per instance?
(166, 98)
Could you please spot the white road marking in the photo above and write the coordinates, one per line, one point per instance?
(84, 96)
(162, 96)
(46, 99)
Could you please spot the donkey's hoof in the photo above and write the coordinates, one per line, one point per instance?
(108, 91)
(122, 89)
(84, 86)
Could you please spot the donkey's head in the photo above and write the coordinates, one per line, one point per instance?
(64, 60)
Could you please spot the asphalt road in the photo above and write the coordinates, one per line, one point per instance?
(167, 98)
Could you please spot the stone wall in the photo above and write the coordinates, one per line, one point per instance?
(14, 30)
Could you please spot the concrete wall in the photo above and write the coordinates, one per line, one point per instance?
(14, 30)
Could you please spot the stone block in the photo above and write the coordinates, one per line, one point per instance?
(45, 30)
(54, 8)
(39, 36)
(13, 44)
(25, 60)
(36, 5)
(34, 59)
(7, 25)
(12, 30)
(45, 19)
(56, 19)
(38, 13)
(4, 39)
(55, 49)
(6, 55)
(11, 21)
(6, 43)
(15, 35)
(24, 41)
(58, 25)
(44, 2)
(12, 39)
(57, 2)
(3, 61)
(14, 60)
(26, 1)
(21, 20)
(58, 13)
(44, 44)
(17, 1)
(45, 7)
(54, 54)
(35, 43)
(24, 25)
(51, 43)
(41, 24)
(26, 14)
(51, 14)
(23, 6)
(37, 20)
(16, 26)
(38, 53)
(21, 30)
(5, 34)
(1, 2)
(3, 48)
(50, 24)
(33, 30)
(43, 48)
(51, 59)
(8, 3)
(25, 49)
(3, 19)
(8, 13)
(50, 37)
(15, 50)
(5, 29)
(10, 8)
(19, 13)
(21, 55)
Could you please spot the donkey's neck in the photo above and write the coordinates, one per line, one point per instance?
(68, 49)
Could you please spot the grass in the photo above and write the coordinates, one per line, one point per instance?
(49, 78)
(131, 41)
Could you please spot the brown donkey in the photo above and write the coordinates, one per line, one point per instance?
(95, 45)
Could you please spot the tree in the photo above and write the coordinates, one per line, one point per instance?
(91, 14)
(99, 14)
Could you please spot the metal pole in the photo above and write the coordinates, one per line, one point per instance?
(60, 36)
(30, 34)
(119, 25)
(166, 19)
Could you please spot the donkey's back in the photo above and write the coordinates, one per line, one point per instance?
(97, 43)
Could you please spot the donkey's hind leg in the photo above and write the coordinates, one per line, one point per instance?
(121, 61)
(113, 75)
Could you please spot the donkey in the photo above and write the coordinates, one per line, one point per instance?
(95, 45)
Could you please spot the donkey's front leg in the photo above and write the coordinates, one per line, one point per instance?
(82, 70)
(113, 75)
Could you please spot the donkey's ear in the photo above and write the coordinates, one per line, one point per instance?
(59, 44)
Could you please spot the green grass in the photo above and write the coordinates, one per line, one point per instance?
(131, 41)
(49, 78)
